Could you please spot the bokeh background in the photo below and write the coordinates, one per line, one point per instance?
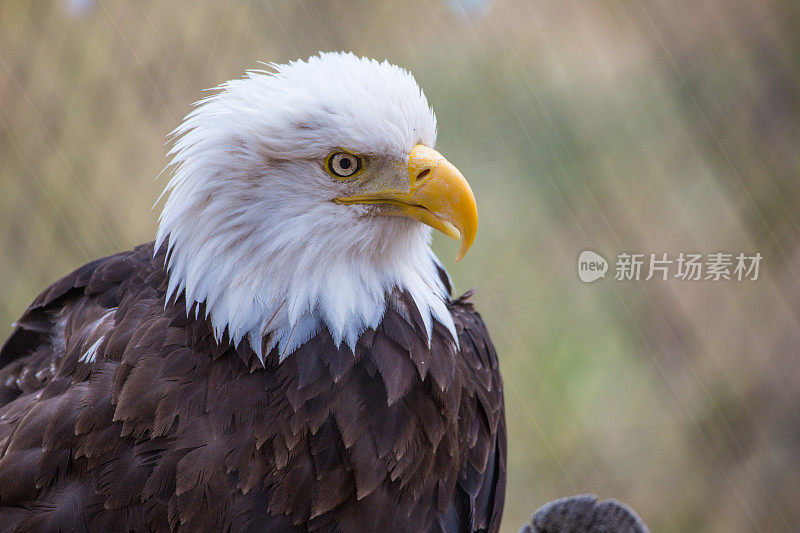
(631, 125)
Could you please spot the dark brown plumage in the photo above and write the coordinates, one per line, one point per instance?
(117, 413)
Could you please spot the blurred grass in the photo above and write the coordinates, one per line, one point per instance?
(659, 126)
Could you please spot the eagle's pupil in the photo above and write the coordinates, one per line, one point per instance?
(345, 163)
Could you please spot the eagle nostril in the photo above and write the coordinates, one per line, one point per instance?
(422, 175)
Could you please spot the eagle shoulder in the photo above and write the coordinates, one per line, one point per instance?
(49, 367)
(38, 335)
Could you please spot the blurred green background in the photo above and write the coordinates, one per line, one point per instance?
(651, 126)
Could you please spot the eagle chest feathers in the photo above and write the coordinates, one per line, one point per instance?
(161, 426)
(286, 355)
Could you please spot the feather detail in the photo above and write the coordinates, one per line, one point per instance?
(120, 413)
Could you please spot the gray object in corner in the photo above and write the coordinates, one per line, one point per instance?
(584, 514)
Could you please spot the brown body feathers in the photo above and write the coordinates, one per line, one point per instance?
(117, 413)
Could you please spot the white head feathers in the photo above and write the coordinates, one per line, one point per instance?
(250, 219)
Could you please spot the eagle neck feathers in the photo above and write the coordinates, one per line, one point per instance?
(282, 302)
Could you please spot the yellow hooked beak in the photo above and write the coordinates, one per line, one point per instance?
(437, 195)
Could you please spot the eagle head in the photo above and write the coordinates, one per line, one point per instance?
(304, 196)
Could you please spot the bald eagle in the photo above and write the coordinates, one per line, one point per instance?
(286, 355)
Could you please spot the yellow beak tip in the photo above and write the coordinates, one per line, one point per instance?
(452, 231)
(466, 244)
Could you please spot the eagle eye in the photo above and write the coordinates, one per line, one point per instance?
(343, 164)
